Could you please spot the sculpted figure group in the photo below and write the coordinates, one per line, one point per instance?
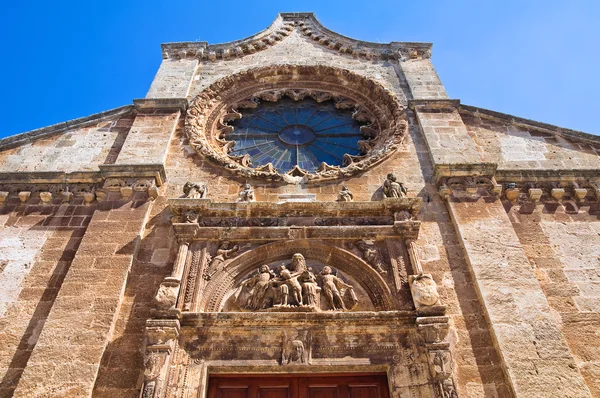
(295, 285)
(391, 189)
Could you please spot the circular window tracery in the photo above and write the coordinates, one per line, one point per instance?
(218, 120)
(298, 134)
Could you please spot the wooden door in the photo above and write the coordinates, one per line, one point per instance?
(298, 386)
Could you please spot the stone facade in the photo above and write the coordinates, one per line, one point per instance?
(138, 258)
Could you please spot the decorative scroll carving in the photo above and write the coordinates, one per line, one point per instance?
(372, 256)
(206, 122)
(295, 286)
(195, 190)
(393, 189)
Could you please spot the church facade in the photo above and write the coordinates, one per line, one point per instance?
(299, 214)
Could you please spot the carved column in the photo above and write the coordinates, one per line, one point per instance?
(161, 337)
(169, 288)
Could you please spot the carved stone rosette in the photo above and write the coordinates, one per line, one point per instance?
(208, 116)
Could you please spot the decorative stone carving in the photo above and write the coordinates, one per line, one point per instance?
(88, 197)
(195, 190)
(440, 362)
(424, 290)
(294, 287)
(206, 122)
(372, 256)
(24, 196)
(392, 188)
(345, 195)
(166, 297)
(247, 194)
(223, 253)
(66, 196)
(3, 196)
(296, 351)
(46, 197)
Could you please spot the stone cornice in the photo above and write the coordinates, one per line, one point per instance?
(24, 138)
(308, 25)
(145, 104)
(434, 104)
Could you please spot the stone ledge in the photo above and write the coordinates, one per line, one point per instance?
(232, 319)
(464, 170)
(50, 177)
(156, 171)
(547, 175)
(434, 104)
(144, 104)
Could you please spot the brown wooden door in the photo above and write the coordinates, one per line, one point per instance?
(298, 386)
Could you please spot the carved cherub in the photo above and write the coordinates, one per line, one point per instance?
(345, 195)
(195, 190)
(392, 188)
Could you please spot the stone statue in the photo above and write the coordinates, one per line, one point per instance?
(223, 253)
(392, 188)
(287, 281)
(195, 190)
(247, 194)
(371, 256)
(310, 290)
(334, 288)
(345, 195)
(259, 285)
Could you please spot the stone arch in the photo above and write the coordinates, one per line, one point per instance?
(374, 285)
(209, 113)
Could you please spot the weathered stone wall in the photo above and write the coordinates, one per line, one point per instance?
(37, 245)
(515, 146)
(79, 149)
(563, 250)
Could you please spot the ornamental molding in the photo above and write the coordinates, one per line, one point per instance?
(308, 25)
(208, 116)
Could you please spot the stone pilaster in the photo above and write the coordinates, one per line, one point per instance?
(532, 348)
(67, 356)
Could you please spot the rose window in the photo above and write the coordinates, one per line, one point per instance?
(296, 134)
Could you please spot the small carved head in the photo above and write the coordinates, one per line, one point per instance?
(391, 177)
(326, 270)
(263, 269)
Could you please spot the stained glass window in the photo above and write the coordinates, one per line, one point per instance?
(289, 133)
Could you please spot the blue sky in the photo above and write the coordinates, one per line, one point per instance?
(534, 59)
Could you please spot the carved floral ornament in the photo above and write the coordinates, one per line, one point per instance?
(210, 115)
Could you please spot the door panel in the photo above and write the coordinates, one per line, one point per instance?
(298, 386)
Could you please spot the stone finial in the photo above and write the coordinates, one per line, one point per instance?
(3, 197)
(46, 197)
(24, 196)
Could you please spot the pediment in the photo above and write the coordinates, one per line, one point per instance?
(307, 25)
